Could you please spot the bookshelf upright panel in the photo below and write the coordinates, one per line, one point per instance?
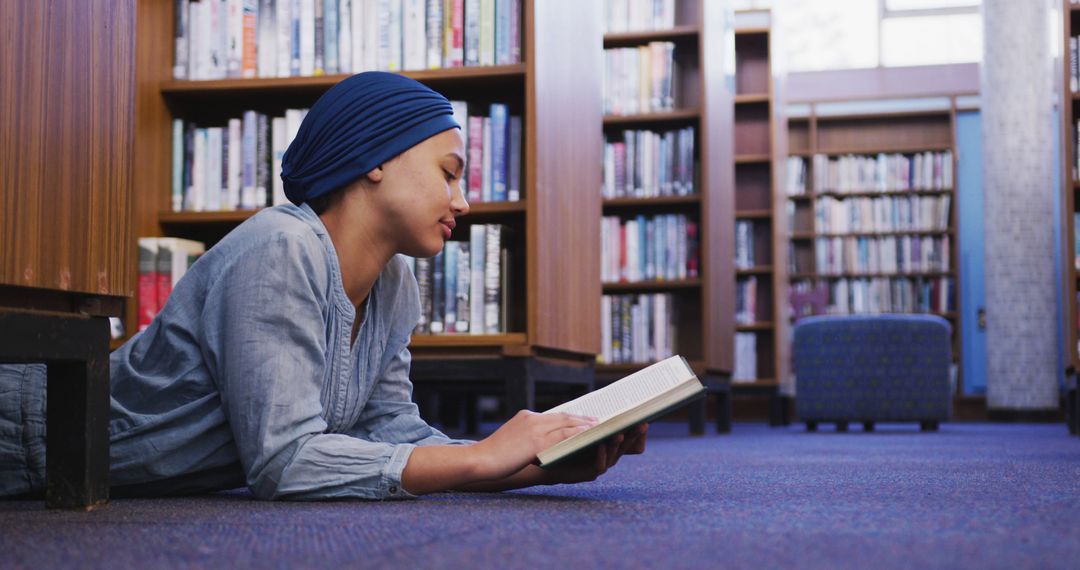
(1070, 111)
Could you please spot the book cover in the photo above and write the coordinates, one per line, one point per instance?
(635, 399)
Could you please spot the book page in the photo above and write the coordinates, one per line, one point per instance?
(631, 391)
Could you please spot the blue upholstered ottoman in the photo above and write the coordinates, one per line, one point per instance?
(873, 368)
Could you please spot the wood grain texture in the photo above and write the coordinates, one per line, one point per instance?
(563, 41)
(717, 237)
(1068, 194)
(66, 98)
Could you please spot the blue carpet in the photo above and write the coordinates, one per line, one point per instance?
(970, 496)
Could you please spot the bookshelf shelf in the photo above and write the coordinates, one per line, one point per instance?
(812, 235)
(751, 98)
(466, 340)
(678, 34)
(660, 119)
(759, 270)
(639, 286)
(882, 194)
(435, 78)
(616, 370)
(753, 214)
(764, 326)
(875, 275)
(753, 159)
(883, 149)
(660, 201)
(476, 210)
(760, 383)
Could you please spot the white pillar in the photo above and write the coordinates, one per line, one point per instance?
(1017, 95)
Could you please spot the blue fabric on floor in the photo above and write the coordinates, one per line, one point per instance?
(971, 496)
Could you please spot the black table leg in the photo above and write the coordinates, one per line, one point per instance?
(75, 349)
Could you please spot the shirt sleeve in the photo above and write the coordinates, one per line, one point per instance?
(390, 415)
(265, 344)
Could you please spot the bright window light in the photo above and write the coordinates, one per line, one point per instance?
(928, 40)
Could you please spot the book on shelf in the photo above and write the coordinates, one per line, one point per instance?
(637, 328)
(163, 261)
(746, 300)
(891, 295)
(649, 164)
(638, 398)
(229, 39)
(744, 244)
(463, 289)
(796, 176)
(640, 79)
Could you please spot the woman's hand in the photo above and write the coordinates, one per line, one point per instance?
(587, 467)
(515, 445)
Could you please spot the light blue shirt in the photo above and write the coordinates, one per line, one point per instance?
(247, 375)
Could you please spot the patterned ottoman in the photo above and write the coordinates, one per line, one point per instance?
(873, 368)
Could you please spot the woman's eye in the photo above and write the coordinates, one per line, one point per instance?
(449, 176)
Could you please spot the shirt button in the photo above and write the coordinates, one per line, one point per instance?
(393, 490)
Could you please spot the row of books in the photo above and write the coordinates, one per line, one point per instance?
(746, 300)
(658, 248)
(648, 164)
(883, 172)
(1074, 64)
(1076, 151)
(640, 79)
(232, 167)
(219, 39)
(744, 244)
(464, 288)
(638, 15)
(162, 262)
(889, 295)
(637, 328)
(893, 254)
(882, 214)
(745, 369)
(238, 166)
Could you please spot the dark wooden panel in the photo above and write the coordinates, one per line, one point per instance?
(66, 97)
(884, 82)
(753, 187)
(563, 111)
(877, 133)
(718, 189)
(751, 63)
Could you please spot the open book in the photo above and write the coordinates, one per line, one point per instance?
(640, 397)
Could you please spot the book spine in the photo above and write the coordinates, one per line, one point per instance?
(278, 143)
(423, 282)
(513, 192)
(435, 34)
(472, 32)
(464, 282)
(487, 178)
(180, 39)
(476, 158)
(477, 265)
(331, 29)
(453, 33)
(267, 32)
(177, 193)
(307, 37)
(248, 160)
(502, 31)
(487, 32)
(213, 168)
(394, 60)
(319, 41)
(262, 158)
(163, 275)
(498, 152)
(438, 293)
(283, 37)
(414, 35)
(147, 288)
(345, 36)
(249, 49)
(450, 286)
(234, 163)
(198, 172)
(492, 279)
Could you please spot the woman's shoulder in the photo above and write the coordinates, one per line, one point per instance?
(281, 234)
(398, 293)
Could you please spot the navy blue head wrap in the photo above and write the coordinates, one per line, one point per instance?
(360, 123)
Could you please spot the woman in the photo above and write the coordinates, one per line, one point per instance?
(280, 361)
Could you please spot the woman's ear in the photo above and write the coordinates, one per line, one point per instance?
(375, 174)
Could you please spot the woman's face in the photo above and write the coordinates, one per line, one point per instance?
(421, 190)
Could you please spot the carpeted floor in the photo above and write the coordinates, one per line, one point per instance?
(969, 496)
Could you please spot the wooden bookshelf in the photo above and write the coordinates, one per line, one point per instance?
(836, 134)
(704, 305)
(760, 148)
(554, 279)
(1070, 199)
